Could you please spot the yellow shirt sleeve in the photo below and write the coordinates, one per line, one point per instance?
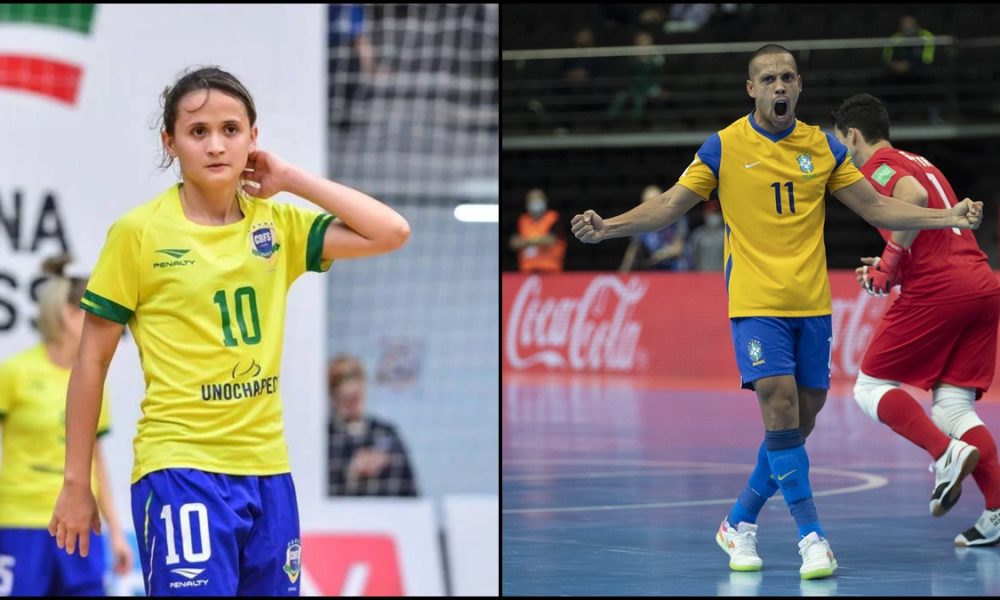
(303, 231)
(113, 289)
(845, 173)
(843, 176)
(702, 175)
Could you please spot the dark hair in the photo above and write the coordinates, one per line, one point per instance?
(864, 112)
(769, 49)
(204, 78)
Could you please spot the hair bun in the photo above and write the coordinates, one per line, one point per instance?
(56, 265)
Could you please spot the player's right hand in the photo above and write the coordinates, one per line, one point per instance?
(74, 516)
(589, 227)
(862, 274)
(968, 214)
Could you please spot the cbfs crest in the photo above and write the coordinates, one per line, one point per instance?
(805, 162)
(756, 352)
(293, 560)
(264, 241)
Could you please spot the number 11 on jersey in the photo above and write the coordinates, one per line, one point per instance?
(777, 196)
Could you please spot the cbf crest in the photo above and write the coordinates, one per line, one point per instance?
(805, 163)
(264, 241)
(293, 560)
(756, 352)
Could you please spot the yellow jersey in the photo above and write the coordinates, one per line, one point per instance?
(33, 426)
(772, 192)
(206, 305)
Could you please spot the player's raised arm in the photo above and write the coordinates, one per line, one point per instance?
(887, 212)
(652, 215)
(363, 227)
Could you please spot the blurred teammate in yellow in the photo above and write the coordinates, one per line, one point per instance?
(32, 422)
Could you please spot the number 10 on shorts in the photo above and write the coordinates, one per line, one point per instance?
(198, 511)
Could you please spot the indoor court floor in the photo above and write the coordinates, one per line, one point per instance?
(612, 488)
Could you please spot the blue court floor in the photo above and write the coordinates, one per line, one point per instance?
(612, 490)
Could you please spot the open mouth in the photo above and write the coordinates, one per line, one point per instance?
(781, 107)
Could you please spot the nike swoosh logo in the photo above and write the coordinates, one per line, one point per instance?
(782, 477)
(749, 165)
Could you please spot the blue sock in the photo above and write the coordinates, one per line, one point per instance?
(786, 453)
(759, 488)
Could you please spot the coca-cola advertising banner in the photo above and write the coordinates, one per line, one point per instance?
(672, 325)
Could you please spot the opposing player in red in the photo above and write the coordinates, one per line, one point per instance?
(940, 334)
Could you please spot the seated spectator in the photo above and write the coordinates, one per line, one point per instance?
(644, 83)
(366, 455)
(581, 68)
(663, 249)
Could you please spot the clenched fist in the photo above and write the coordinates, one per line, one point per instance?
(589, 227)
(969, 214)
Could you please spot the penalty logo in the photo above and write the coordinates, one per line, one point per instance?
(293, 560)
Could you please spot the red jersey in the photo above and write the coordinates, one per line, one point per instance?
(945, 265)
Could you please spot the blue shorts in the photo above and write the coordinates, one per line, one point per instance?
(209, 534)
(31, 561)
(770, 346)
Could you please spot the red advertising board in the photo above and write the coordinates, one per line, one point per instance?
(663, 326)
(353, 564)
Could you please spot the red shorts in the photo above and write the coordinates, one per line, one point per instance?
(952, 343)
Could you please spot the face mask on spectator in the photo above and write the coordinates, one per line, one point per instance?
(536, 207)
(713, 220)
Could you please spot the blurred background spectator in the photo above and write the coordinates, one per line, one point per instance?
(366, 454)
(906, 59)
(351, 55)
(909, 72)
(706, 246)
(540, 241)
(582, 68)
(644, 82)
(663, 249)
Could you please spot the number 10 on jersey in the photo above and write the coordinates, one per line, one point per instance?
(777, 196)
(244, 300)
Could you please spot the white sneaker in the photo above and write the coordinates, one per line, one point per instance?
(949, 470)
(817, 557)
(740, 543)
(986, 531)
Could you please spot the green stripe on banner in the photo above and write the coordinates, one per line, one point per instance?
(75, 17)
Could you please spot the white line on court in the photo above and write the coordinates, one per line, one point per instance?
(869, 481)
